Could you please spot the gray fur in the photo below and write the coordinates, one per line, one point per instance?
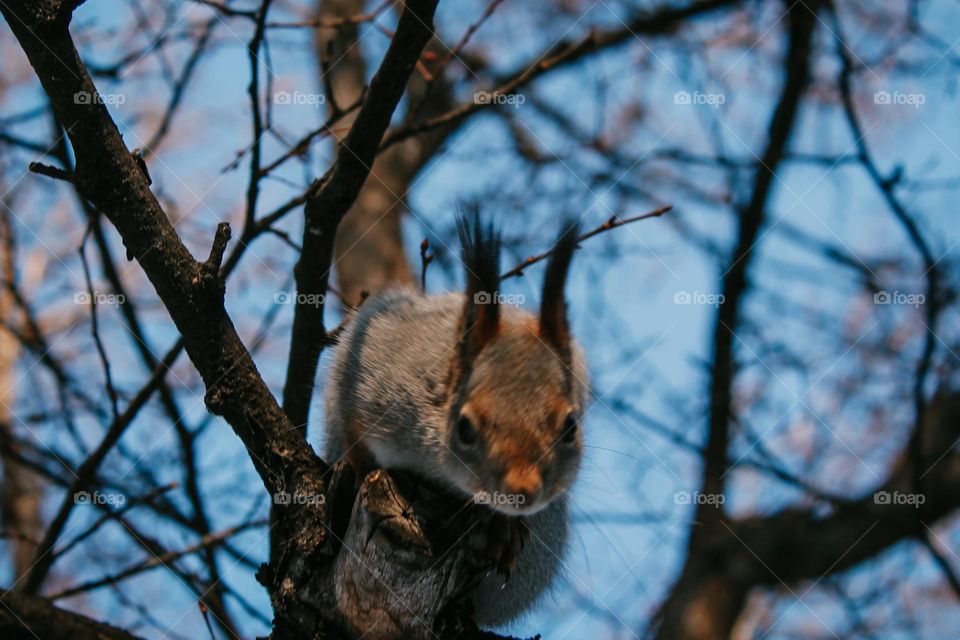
(496, 602)
(390, 373)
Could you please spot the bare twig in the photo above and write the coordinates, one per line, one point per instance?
(95, 330)
(52, 172)
(611, 223)
(154, 562)
(84, 476)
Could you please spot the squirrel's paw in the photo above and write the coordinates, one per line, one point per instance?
(506, 538)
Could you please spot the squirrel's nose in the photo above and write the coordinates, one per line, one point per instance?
(524, 481)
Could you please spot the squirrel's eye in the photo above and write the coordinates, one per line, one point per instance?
(570, 427)
(465, 431)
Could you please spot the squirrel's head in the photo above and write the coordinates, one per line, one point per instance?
(514, 439)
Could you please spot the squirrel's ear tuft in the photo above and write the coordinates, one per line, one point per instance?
(554, 329)
(480, 244)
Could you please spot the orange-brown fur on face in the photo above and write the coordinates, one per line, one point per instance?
(518, 397)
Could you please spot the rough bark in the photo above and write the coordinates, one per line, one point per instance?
(26, 618)
(420, 553)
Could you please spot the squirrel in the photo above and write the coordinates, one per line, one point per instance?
(484, 398)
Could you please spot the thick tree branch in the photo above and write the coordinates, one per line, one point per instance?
(888, 189)
(110, 177)
(802, 21)
(24, 617)
(702, 605)
(796, 544)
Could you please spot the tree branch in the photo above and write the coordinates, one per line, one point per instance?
(802, 21)
(334, 195)
(109, 176)
(24, 617)
(560, 55)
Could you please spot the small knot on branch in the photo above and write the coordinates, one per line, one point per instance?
(142, 165)
(208, 280)
(216, 400)
(220, 240)
(53, 172)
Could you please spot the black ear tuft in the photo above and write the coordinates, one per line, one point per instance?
(480, 244)
(554, 328)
